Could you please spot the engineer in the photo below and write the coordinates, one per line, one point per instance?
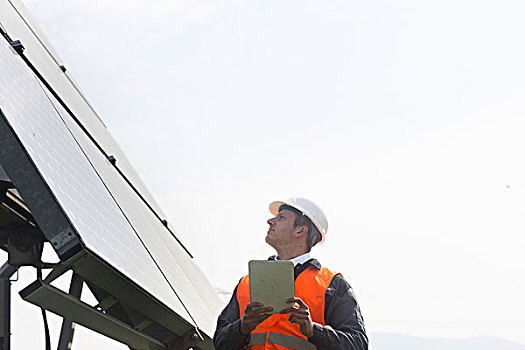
(324, 313)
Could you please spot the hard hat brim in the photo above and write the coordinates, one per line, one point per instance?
(274, 207)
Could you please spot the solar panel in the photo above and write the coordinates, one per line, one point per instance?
(16, 20)
(105, 213)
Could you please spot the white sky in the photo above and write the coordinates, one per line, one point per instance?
(404, 120)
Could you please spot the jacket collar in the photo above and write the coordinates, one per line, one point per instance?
(313, 262)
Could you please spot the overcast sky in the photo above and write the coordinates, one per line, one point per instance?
(403, 119)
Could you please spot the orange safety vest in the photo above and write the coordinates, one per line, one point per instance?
(276, 332)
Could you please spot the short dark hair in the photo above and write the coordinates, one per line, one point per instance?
(314, 236)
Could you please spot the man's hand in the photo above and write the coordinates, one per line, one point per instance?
(251, 318)
(300, 315)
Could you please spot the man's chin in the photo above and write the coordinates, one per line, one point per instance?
(268, 240)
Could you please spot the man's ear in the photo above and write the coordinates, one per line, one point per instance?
(301, 231)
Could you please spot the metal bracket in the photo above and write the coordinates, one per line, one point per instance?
(143, 324)
(17, 46)
(112, 159)
(62, 268)
(106, 303)
(62, 239)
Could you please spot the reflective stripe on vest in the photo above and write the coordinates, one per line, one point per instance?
(310, 286)
(257, 339)
(288, 341)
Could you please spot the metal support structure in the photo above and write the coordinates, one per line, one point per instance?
(6, 271)
(63, 304)
(68, 327)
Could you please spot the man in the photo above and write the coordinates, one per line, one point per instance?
(323, 315)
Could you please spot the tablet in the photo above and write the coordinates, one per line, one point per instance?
(271, 283)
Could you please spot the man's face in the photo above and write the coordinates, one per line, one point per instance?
(281, 230)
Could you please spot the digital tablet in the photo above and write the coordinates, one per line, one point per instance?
(271, 283)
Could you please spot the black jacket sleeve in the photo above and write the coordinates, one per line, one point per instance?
(344, 324)
(227, 334)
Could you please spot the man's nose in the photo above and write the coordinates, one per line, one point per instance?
(270, 221)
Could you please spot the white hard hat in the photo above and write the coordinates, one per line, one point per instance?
(308, 208)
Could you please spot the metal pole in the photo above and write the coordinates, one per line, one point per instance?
(68, 328)
(6, 271)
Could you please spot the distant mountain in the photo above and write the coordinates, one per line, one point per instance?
(386, 341)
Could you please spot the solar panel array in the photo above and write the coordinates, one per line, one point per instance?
(109, 216)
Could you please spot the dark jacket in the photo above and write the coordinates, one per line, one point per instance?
(344, 324)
